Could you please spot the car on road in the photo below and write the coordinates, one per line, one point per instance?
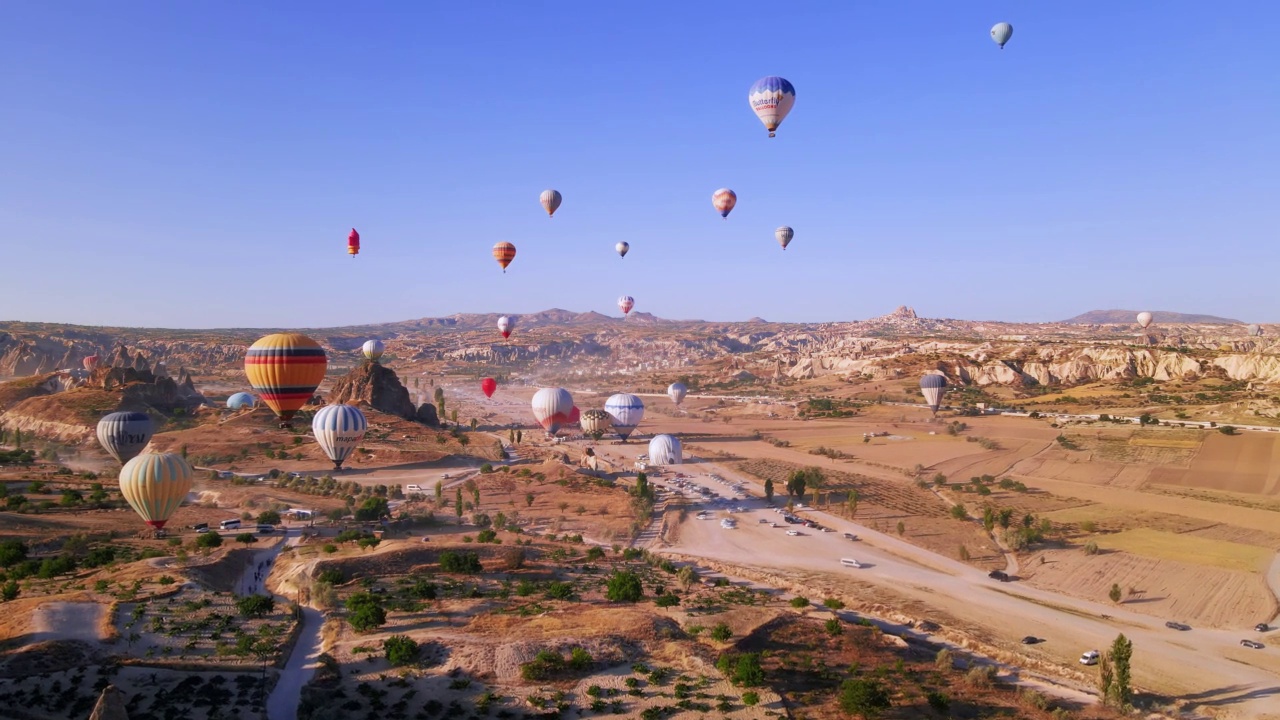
(1252, 644)
(1090, 658)
(1000, 575)
(850, 536)
(1031, 640)
(773, 524)
(1261, 627)
(850, 562)
(764, 521)
(1177, 626)
(792, 533)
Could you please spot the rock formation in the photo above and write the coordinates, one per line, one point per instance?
(110, 706)
(375, 386)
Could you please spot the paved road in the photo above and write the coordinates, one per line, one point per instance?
(282, 704)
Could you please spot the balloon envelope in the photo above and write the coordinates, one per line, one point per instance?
(625, 303)
(91, 362)
(488, 385)
(595, 421)
(506, 325)
(724, 200)
(933, 386)
(771, 99)
(1001, 32)
(676, 391)
(665, 450)
(1144, 319)
(155, 485)
(552, 408)
(353, 243)
(622, 248)
(504, 253)
(373, 349)
(339, 430)
(627, 411)
(285, 369)
(125, 434)
(240, 400)
(784, 235)
(550, 200)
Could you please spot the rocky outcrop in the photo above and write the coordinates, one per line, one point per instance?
(110, 706)
(375, 386)
(427, 415)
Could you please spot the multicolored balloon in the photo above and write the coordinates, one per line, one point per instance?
(552, 408)
(933, 386)
(1144, 319)
(724, 200)
(240, 400)
(506, 325)
(285, 369)
(676, 391)
(550, 200)
(504, 253)
(665, 450)
(155, 485)
(784, 235)
(339, 430)
(595, 422)
(91, 362)
(353, 243)
(125, 434)
(488, 386)
(1001, 32)
(771, 99)
(627, 411)
(373, 349)
(625, 303)
(622, 248)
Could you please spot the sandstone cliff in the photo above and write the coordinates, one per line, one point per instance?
(375, 386)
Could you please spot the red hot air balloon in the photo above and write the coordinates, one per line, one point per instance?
(91, 362)
(575, 415)
(353, 243)
(488, 385)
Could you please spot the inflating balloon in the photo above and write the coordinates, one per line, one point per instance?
(665, 450)
(240, 400)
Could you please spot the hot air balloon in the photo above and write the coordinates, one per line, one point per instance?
(155, 484)
(676, 391)
(550, 200)
(625, 303)
(784, 235)
(353, 243)
(91, 362)
(504, 253)
(1144, 319)
(488, 385)
(627, 411)
(285, 369)
(240, 400)
(125, 434)
(1001, 32)
(665, 450)
(723, 200)
(373, 349)
(575, 415)
(552, 407)
(933, 386)
(771, 99)
(338, 430)
(595, 422)
(1254, 330)
(506, 325)
(622, 248)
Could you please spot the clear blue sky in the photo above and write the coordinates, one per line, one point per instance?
(199, 164)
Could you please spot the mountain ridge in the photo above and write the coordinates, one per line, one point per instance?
(1108, 317)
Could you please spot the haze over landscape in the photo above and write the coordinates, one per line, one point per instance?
(413, 361)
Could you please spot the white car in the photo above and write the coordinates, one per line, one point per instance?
(850, 562)
(793, 532)
(1090, 658)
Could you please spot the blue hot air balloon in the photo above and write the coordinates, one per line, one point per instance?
(627, 411)
(771, 99)
(240, 400)
(125, 434)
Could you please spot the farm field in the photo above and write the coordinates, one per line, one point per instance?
(1188, 549)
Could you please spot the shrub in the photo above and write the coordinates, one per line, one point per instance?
(750, 698)
(366, 612)
(332, 576)
(833, 603)
(742, 669)
(513, 558)
(865, 697)
(560, 590)
(799, 602)
(465, 563)
(667, 600)
(486, 536)
(958, 512)
(594, 553)
(255, 605)
(209, 540)
(1091, 548)
(944, 661)
(721, 633)
(400, 649)
(833, 627)
(981, 676)
(940, 703)
(624, 586)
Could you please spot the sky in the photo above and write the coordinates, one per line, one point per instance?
(199, 164)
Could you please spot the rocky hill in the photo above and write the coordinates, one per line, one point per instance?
(1126, 317)
(373, 385)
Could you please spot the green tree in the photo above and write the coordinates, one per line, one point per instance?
(439, 491)
(624, 586)
(246, 538)
(1115, 593)
(864, 697)
(12, 552)
(902, 528)
(528, 499)
(268, 517)
(209, 540)
(834, 627)
(721, 633)
(474, 424)
(1120, 694)
(365, 612)
(255, 605)
(10, 590)
(457, 503)
(373, 508)
(796, 482)
(643, 490)
(400, 649)
(768, 489)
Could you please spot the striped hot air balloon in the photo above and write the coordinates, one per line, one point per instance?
(91, 362)
(552, 408)
(665, 450)
(625, 303)
(723, 200)
(125, 434)
(627, 411)
(353, 243)
(595, 422)
(676, 391)
(550, 200)
(285, 369)
(339, 430)
(784, 235)
(154, 485)
(504, 253)
(506, 325)
(240, 400)
(373, 349)
(488, 386)
(771, 99)
(933, 386)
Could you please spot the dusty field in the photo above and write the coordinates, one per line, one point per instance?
(1190, 549)
(1247, 463)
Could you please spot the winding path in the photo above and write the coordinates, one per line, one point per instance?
(282, 704)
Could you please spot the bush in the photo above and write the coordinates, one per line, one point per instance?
(742, 669)
(486, 536)
(667, 600)
(269, 517)
(750, 698)
(400, 649)
(940, 703)
(594, 553)
(981, 676)
(833, 604)
(958, 512)
(333, 576)
(945, 661)
(721, 633)
(209, 540)
(833, 627)
(864, 697)
(366, 612)
(513, 558)
(255, 605)
(559, 590)
(12, 552)
(465, 563)
(624, 586)
(1091, 548)
(799, 603)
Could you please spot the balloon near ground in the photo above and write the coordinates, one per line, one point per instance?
(1001, 32)
(285, 369)
(339, 430)
(506, 325)
(933, 386)
(353, 243)
(665, 450)
(552, 408)
(550, 200)
(373, 349)
(1144, 319)
(676, 391)
(240, 401)
(784, 235)
(771, 99)
(125, 434)
(488, 386)
(91, 362)
(155, 485)
(504, 253)
(627, 411)
(595, 422)
(724, 200)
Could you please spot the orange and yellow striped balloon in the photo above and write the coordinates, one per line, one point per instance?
(504, 253)
(285, 369)
(155, 484)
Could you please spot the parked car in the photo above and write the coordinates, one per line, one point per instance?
(1261, 627)
(850, 536)
(1090, 658)
(1252, 644)
(850, 562)
(792, 532)
(1176, 626)
(1000, 575)
(1031, 640)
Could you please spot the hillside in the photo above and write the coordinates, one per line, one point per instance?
(1107, 317)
